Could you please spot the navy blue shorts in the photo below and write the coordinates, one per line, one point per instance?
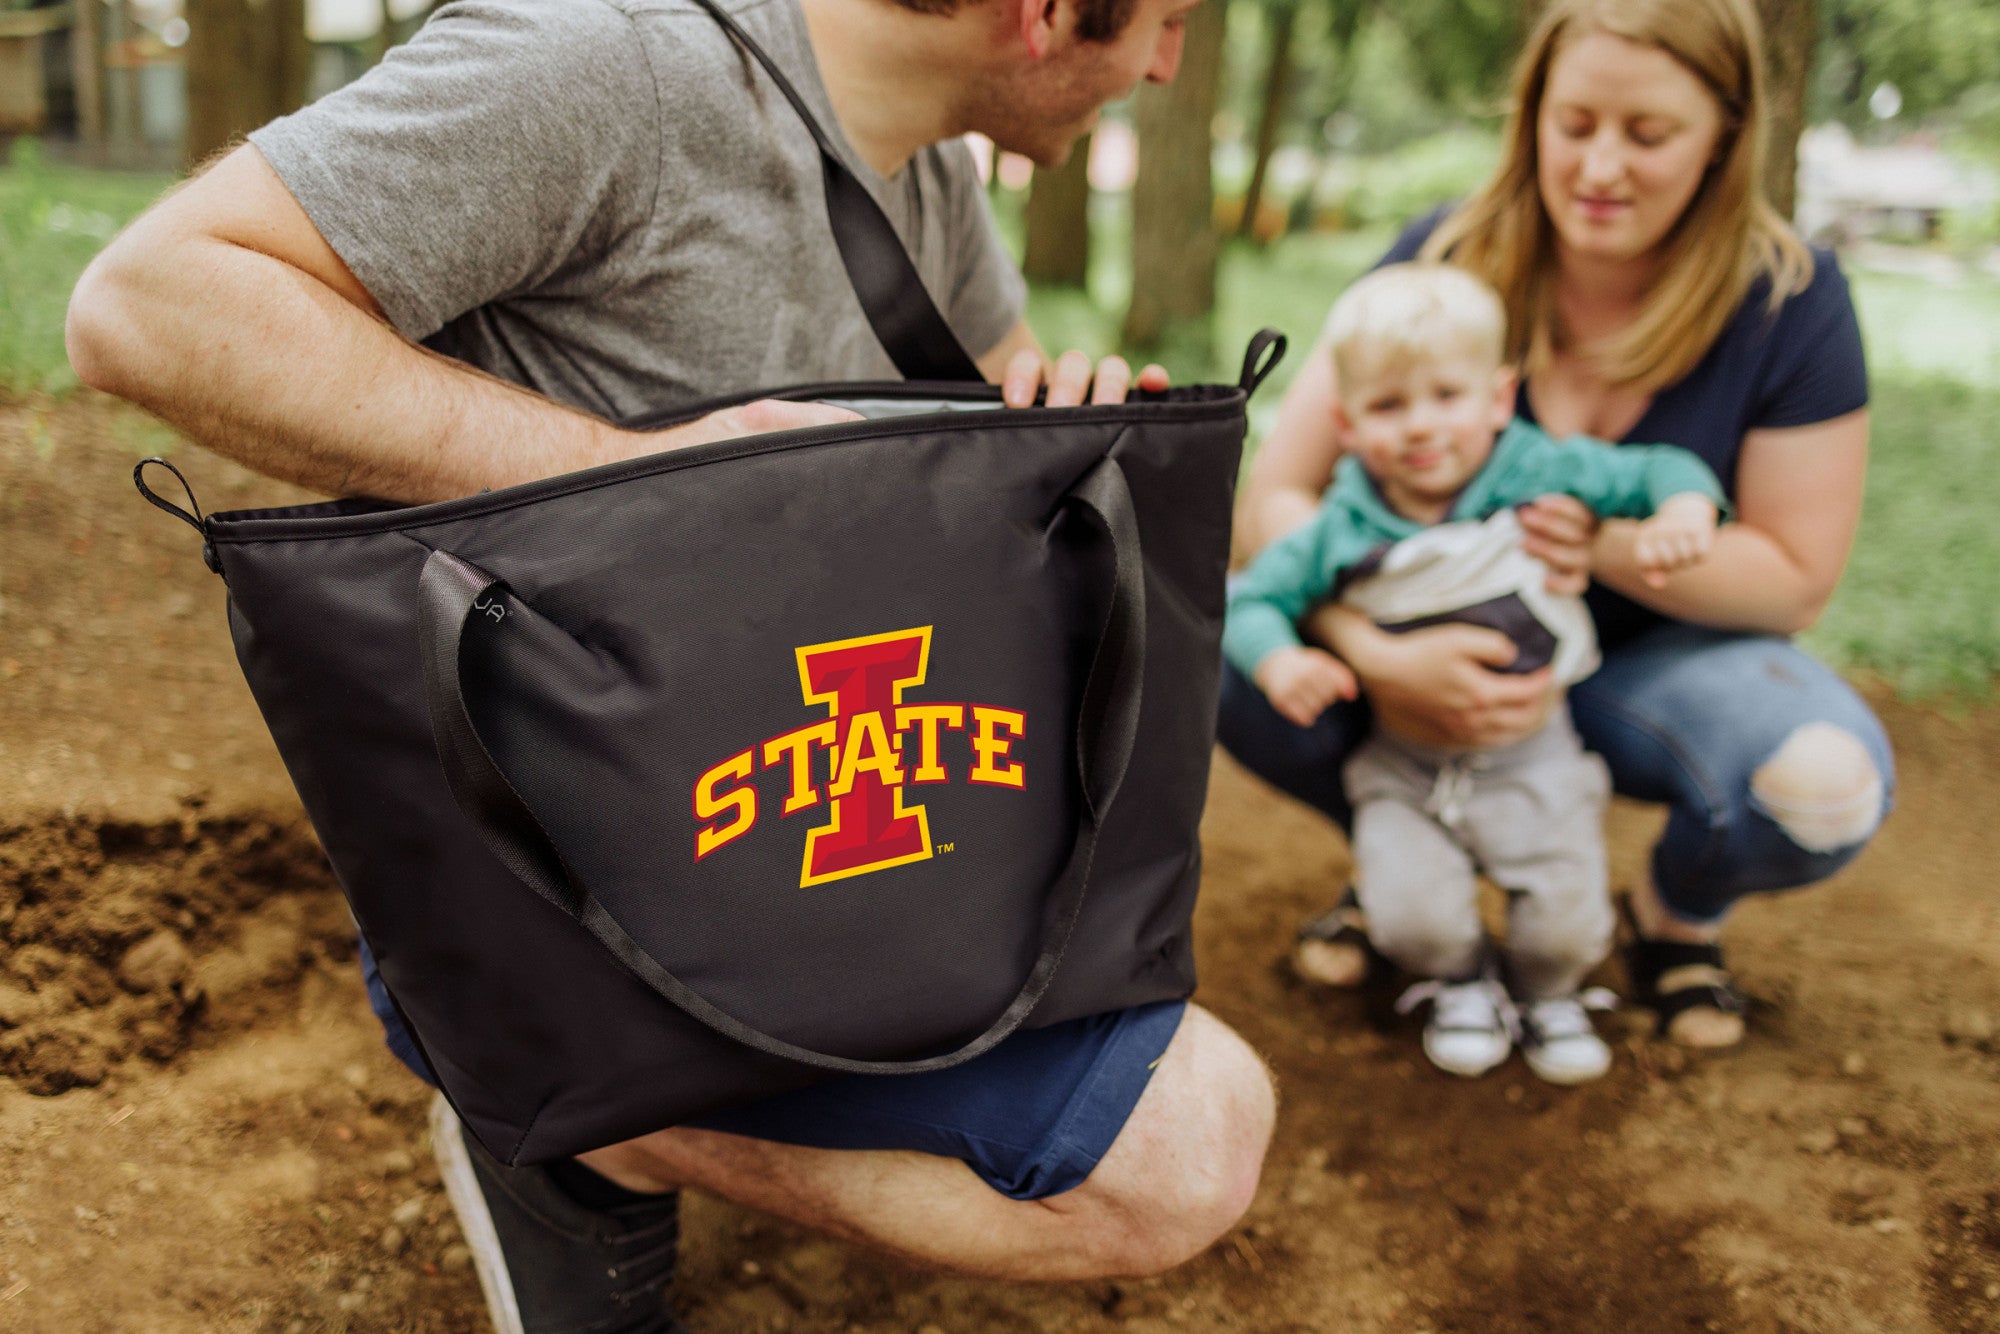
(1032, 1117)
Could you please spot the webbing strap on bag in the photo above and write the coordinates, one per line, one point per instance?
(905, 319)
(450, 591)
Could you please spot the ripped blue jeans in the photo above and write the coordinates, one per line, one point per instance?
(1682, 715)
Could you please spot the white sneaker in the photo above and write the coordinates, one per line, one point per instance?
(1472, 1024)
(1558, 1040)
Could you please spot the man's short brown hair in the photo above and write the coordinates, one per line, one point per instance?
(1096, 20)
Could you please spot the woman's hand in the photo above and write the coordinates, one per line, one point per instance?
(1559, 530)
(1440, 686)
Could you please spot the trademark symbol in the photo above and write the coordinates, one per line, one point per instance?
(943, 848)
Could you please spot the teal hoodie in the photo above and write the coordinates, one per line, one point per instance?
(1303, 568)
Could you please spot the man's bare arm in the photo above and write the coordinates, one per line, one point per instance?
(223, 311)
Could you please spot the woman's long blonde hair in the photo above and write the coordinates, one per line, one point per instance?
(1728, 236)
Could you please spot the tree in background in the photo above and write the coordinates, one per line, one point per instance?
(1281, 18)
(1325, 62)
(1942, 57)
(1058, 222)
(247, 62)
(86, 63)
(385, 36)
(1465, 48)
(1788, 49)
(1173, 199)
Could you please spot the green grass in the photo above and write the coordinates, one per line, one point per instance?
(1917, 326)
(52, 220)
(1918, 604)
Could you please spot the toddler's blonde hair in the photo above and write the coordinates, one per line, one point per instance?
(1405, 314)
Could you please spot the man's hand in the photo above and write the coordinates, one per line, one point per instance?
(1678, 535)
(1071, 379)
(1302, 683)
(760, 417)
(1558, 530)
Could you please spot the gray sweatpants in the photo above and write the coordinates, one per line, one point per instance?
(1531, 815)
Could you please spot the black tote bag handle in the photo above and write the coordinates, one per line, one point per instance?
(905, 319)
(450, 591)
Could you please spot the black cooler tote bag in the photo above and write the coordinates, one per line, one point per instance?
(690, 779)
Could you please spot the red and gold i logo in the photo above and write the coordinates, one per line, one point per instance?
(875, 746)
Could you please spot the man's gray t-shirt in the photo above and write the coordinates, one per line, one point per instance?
(608, 202)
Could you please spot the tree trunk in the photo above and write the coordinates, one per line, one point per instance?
(1284, 21)
(247, 63)
(385, 36)
(1058, 215)
(1173, 199)
(120, 86)
(86, 67)
(1788, 45)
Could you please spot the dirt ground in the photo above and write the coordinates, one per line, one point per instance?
(200, 1130)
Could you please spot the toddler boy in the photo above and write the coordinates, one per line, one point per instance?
(1418, 529)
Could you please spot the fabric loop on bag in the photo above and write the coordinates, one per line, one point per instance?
(194, 520)
(1257, 367)
(452, 591)
(1112, 696)
(449, 592)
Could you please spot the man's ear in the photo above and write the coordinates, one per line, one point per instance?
(1040, 25)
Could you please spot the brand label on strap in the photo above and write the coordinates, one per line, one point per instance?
(858, 763)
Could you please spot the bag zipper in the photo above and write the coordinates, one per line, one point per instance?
(296, 527)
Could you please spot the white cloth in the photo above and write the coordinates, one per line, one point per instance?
(1453, 566)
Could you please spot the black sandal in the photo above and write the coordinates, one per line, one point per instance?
(1344, 924)
(1648, 960)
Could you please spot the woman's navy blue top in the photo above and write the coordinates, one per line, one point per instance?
(1800, 365)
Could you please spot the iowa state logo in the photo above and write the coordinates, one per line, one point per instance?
(875, 747)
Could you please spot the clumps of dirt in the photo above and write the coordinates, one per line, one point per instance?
(1541, 1261)
(122, 940)
(1965, 1261)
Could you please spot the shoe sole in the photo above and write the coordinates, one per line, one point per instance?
(1464, 1071)
(1566, 1078)
(468, 1201)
